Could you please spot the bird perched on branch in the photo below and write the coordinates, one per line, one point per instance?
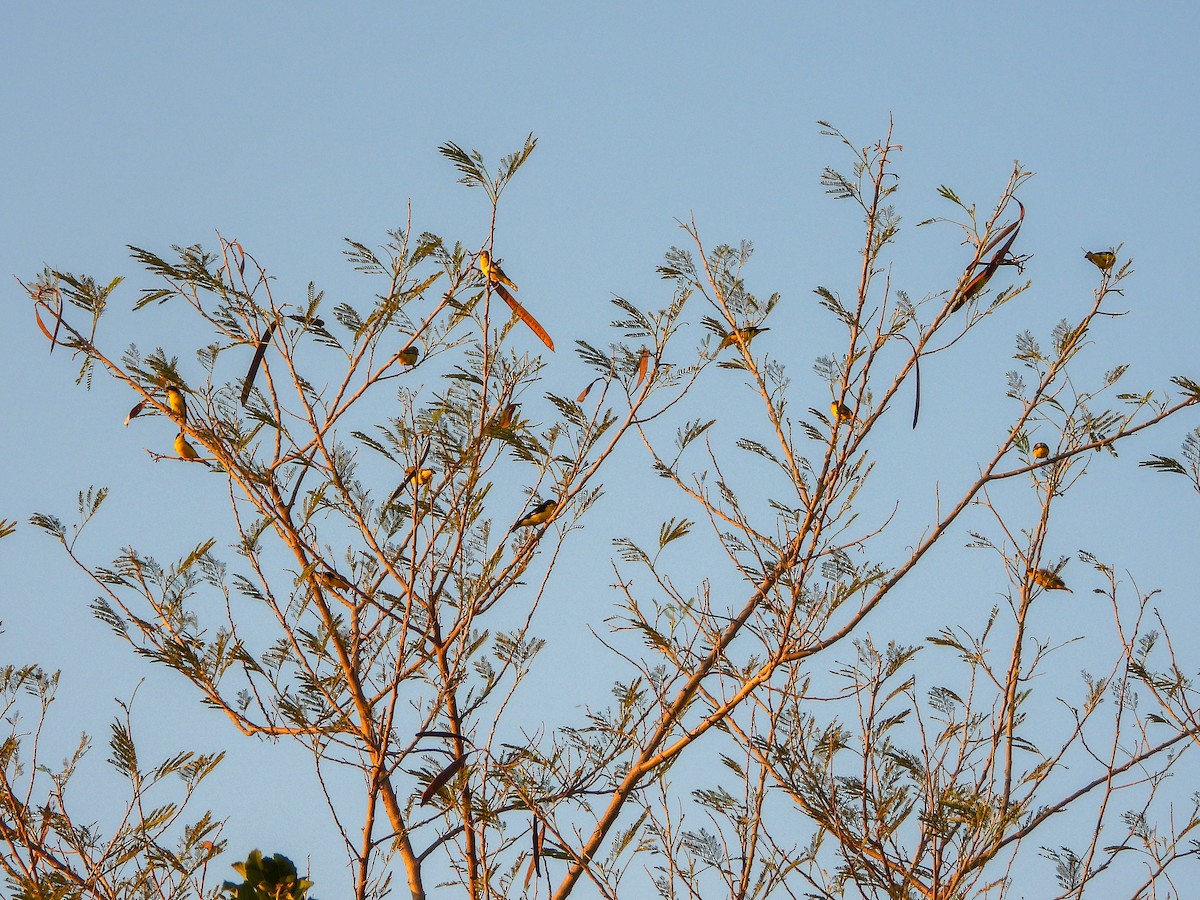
(541, 513)
(1049, 580)
(1040, 451)
(421, 476)
(409, 357)
(1102, 259)
(332, 581)
(747, 334)
(491, 270)
(177, 404)
(841, 412)
(184, 449)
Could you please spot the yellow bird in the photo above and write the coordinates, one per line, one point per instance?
(841, 412)
(541, 513)
(1049, 580)
(177, 404)
(1102, 259)
(409, 357)
(421, 476)
(332, 581)
(184, 449)
(1040, 451)
(747, 334)
(491, 270)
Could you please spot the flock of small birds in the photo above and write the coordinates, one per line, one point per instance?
(544, 511)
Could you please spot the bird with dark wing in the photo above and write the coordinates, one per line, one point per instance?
(332, 581)
(538, 515)
(1101, 259)
(742, 335)
(414, 474)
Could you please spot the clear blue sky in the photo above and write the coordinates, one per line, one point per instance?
(289, 126)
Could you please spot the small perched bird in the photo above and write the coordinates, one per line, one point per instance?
(135, 412)
(177, 404)
(543, 512)
(1051, 581)
(1102, 259)
(1040, 451)
(421, 476)
(841, 412)
(332, 581)
(747, 334)
(409, 357)
(491, 270)
(314, 321)
(184, 449)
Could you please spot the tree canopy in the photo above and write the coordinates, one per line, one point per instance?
(406, 475)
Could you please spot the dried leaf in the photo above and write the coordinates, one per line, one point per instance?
(976, 284)
(136, 411)
(523, 314)
(252, 372)
(442, 778)
(917, 399)
(643, 365)
(52, 337)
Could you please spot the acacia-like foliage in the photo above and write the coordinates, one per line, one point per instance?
(374, 606)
